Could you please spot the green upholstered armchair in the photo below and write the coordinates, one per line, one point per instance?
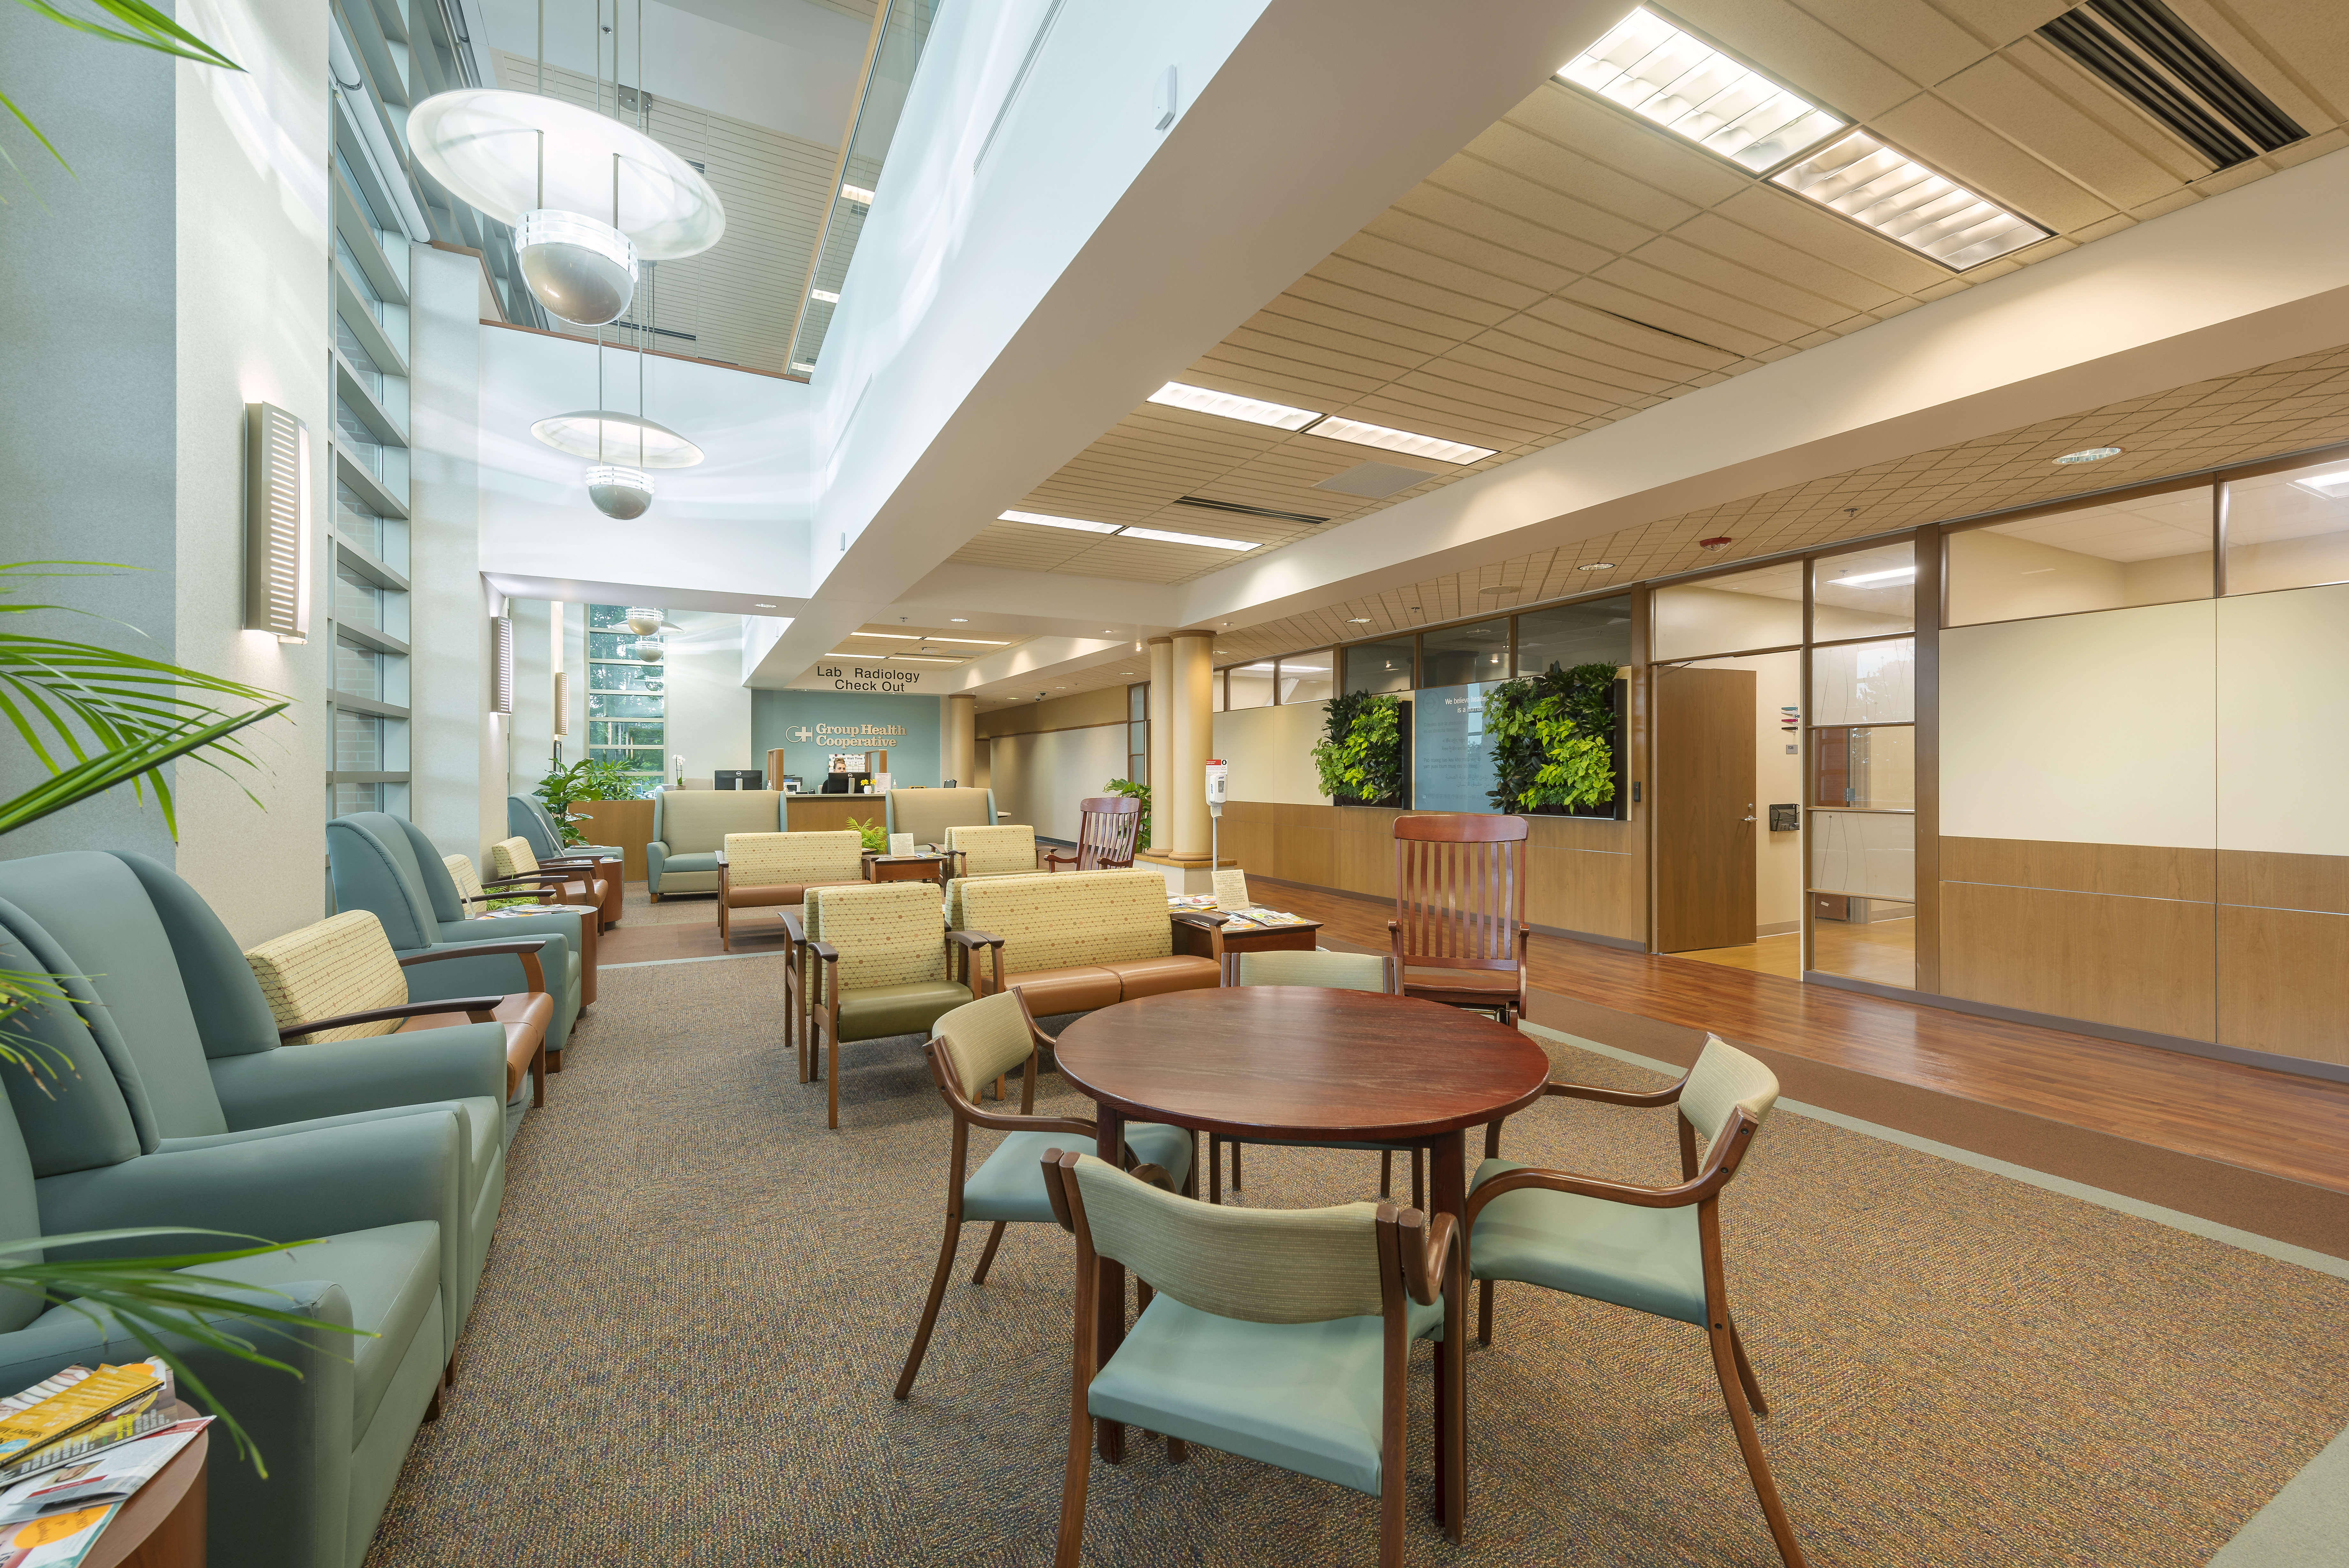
(983, 1040)
(1335, 971)
(175, 1047)
(385, 865)
(877, 968)
(1282, 1336)
(1655, 1250)
(690, 827)
(381, 1191)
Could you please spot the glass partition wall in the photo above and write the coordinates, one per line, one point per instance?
(1861, 729)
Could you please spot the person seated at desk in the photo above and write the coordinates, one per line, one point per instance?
(840, 781)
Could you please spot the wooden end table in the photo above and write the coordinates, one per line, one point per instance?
(162, 1525)
(1296, 1064)
(1302, 937)
(907, 868)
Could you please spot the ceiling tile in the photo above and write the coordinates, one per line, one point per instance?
(1954, 142)
(2083, 130)
(1729, 321)
(1622, 162)
(1791, 235)
(1908, 35)
(1698, 251)
(1804, 52)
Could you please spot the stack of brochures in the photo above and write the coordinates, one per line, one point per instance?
(73, 1448)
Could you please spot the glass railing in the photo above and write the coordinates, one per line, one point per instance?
(904, 28)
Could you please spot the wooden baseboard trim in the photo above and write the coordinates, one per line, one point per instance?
(2298, 1067)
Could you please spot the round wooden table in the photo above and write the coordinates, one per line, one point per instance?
(1297, 1063)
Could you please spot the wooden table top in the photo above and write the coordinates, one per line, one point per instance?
(1302, 1062)
(163, 1521)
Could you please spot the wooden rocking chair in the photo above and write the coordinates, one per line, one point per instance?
(1460, 904)
(1106, 841)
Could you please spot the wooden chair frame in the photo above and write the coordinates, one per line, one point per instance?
(968, 1114)
(1741, 1392)
(1460, 904)
(1416, 1257)
(1106, 834)
(1216, 1140)
(522, 1055)
(800, 979)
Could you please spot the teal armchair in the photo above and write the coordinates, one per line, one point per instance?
(527, 819)
(172, 1049)
(386, 865)
(379, 1194)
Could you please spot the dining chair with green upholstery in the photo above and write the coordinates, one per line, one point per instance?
(1279, 1334)
(1655, 1250)
(1338, 971)
(986, 1039)
(875, 968)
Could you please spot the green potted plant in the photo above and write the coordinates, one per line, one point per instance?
(1553, 740)
(1360, 758)
(590, 778)
(1135, 791)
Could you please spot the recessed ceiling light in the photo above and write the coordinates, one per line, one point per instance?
(1597, 566)
(1162, 537)
(1109, 630)
(1718, 542)
(804, 367)
(958, 620)
(2092, 455)
(1902, 572)
(823, 296)
(1693, 91)
(761, 604)
(1255, 410)
(1358, 620)
(1888, 191)
(2332, 487)
(1417, 446)
(932, 637)
(857, 193)
(1510, 588)
(1080, 524)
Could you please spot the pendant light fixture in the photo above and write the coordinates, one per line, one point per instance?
(644, 623)
(547, 168)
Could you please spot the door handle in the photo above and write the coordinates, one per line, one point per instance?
(1747, 818)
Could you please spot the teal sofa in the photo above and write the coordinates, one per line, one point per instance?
(176, 1049)
(386, 865)
(381, 1192)
(690, 827)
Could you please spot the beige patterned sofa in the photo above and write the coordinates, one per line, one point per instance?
(774, 870)
(1076, 942)
(1006, 850)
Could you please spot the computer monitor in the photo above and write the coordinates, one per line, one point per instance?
(740, 779)
(791, 785)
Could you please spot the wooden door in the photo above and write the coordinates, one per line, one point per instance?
(1703, 769)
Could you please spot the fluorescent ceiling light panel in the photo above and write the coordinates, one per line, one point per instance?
(1162, 537)
(1080, 524)
(2333, 486)
(857, 193)
(1693, 91)
(824, 295)
(917, 659)
(1417, 446)
(2092, 455)
(926, 637)
(1900, 572)
(1900, 199)
(1202, 400)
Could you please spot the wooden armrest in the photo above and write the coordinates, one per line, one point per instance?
(1154, 1174)
(550, 879)
(525, 948)
(1426, 1253)
(794, 929)
(974, 940)
(1668, 1095)
(824, 951)
(1001, 1123)
(480, 1009)
(1696, 1190)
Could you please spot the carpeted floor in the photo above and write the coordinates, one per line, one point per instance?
(683, 1351)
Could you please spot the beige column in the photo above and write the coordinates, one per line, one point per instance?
(956, 719)
(1194, 726)
(1162, 745)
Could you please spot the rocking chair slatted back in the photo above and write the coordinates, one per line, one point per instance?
(1106, 838)
(1460, 891)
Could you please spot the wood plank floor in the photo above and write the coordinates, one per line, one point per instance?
(2277, 1123)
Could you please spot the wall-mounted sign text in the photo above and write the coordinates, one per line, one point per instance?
(879, 678)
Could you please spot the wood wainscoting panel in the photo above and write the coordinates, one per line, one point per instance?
(830, 813)
(2128, 871)
(2283, 981)
(2133, 963)
(2284, 882)
(625, 825)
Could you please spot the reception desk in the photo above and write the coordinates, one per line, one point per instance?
(830, 813)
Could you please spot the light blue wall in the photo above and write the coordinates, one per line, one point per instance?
(777, 715)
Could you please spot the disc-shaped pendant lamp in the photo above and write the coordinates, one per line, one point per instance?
(578, 433)
(622, 493)
(587, 196)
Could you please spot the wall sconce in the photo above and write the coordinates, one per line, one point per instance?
(276, 523)
(502, 658)
(561, 703)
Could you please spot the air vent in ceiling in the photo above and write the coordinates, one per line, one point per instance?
(2142, 51)
(1246, 511)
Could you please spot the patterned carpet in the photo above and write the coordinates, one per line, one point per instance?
(683, 1351)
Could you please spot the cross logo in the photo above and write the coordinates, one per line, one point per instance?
(803, 734)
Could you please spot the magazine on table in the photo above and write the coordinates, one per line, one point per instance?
(77, 1410)
(52, 1520)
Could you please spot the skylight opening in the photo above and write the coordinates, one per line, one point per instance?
(1405, 441)
(1899, 197)
(1693, 91)
(1255, 410)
